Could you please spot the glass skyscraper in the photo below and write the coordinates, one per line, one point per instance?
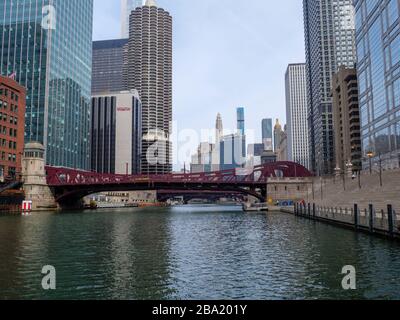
(47, 44)
(330, 43)
(108, 66)
(240, 121)
(267, 134)
(378, 51)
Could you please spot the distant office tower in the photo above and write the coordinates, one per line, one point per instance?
(202, 160)
(267, 134)
(330, 43)
(255, 149)
(47, 45)
(219, 129)
(12, 115)
(150, 72)
(240, 121)
(116, 133)
(232, 152)
(378, 67)
(346, 120)
(296, 114)
(127, 6)
(108, 66)
(277, 135)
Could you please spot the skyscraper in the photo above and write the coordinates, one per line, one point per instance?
(267, 134)
(296, 114)
(240, 121)
(378, 68)
(127, 6)
(346, 120)
(277, 135)
(108, 66)
(47, 45)
(219, 129)
(150, 72)
(116, 133)
(330, 43)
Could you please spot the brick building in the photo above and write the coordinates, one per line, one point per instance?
(12, 127)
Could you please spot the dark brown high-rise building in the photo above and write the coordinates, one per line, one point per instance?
(346, 120)
(149, 70)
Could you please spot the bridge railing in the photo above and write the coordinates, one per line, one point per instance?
(258, 175)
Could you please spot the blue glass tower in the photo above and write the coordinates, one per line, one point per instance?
(240, 121)
(47, 44)
(378, 55)
(267, 134)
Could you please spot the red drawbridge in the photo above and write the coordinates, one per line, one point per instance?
(69, 185)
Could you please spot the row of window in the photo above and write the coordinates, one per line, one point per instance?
(4, 105)
(4, 92)
(12, 120)
(11, 157)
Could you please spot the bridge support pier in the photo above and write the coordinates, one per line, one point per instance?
(34, 178)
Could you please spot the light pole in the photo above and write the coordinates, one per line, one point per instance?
(370, 155)
(380, 169)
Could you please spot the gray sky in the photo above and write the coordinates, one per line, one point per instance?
(227, 53)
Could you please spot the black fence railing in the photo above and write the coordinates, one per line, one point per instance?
(383, 222)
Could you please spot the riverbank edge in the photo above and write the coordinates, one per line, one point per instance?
(362, 229)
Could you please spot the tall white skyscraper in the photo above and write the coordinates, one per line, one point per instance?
(126, 7)
(296, 114)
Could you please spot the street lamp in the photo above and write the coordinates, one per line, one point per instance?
(370, 155)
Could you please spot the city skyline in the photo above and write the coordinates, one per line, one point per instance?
(252, 74)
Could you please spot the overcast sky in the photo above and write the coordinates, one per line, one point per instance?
(227, 53)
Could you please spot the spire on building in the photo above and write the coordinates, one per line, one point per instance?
(278, 125)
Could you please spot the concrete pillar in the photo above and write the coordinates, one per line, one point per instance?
(34, 178)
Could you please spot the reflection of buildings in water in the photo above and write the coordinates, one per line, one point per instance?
(24, 252)
(140, 257)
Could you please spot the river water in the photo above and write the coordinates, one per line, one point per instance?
(190, 252)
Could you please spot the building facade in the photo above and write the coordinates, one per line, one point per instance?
(378, 67)
(232, 152)
(150, 72)
(298, 145)
(346, 120)
(127, 6)
(240, 121)
(202, 161)
(12, 126)
(108, 66)
(330, 43)
(255, 149)
(267, 134)
(116, 133)
(277, 135)
(47, 46)
(282, 148)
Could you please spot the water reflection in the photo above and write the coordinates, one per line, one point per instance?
(190, 253)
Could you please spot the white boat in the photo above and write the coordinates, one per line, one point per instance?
(255, 207)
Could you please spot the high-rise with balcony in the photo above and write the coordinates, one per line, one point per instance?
(330, 43)
(378, 68)
(296, 114)
(149, 71)
(47, 46)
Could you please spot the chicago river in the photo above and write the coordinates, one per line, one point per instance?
(190, 252)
